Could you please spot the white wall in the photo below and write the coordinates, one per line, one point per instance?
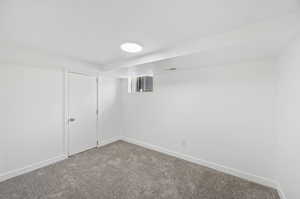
(32, 109)
(223, 114)
(220, 114)
(31, 104)
(289, 122)
(110, 109)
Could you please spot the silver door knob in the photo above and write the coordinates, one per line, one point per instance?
(71, 119)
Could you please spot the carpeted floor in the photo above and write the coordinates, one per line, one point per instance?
(126, 171)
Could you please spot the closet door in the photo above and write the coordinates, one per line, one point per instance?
(82, 113)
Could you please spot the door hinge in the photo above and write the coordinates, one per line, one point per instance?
(97, 112)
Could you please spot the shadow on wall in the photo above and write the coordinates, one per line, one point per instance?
(288, 122)
(110, 108)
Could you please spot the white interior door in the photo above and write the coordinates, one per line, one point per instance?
(82, 113)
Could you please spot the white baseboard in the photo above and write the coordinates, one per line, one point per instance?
(231, 171)
(32, 167)
(17, 172)
(224, 169)
(109, 141)
(280, 192)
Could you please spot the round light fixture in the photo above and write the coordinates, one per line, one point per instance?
(131, 47)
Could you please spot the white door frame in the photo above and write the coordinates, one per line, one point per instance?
(66, 116)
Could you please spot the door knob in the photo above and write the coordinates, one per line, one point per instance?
(71, 119)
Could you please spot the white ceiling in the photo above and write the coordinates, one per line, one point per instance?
(266, 39)
(92, 30)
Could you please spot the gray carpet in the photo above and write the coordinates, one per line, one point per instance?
(126, 171)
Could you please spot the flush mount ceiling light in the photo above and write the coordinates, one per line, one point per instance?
(131, 47)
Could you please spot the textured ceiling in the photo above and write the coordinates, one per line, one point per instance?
(92, 30)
